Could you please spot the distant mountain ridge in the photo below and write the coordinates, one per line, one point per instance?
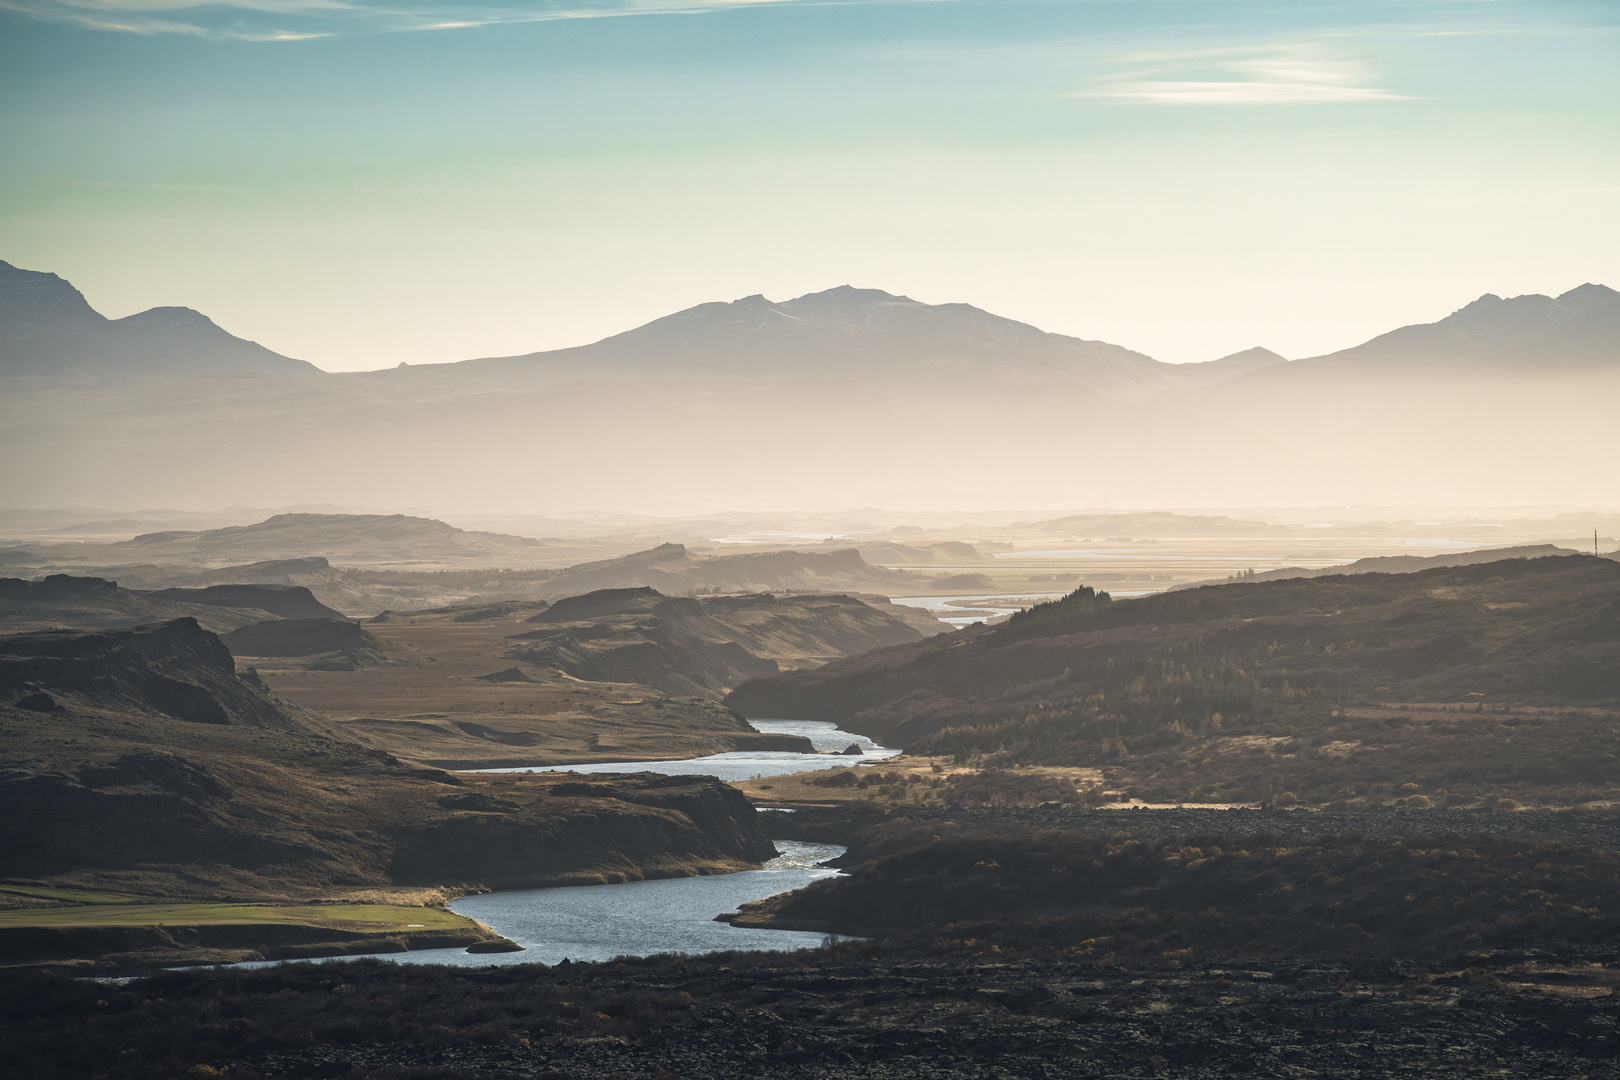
(48, 328)
(848, 396)
(843, 333)
(1534, 333)
(291, 536)
(863, 334)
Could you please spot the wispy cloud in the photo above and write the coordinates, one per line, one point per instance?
(1270, 74)
(170, 16)
(202, 18)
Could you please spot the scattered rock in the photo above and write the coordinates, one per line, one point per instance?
(510, 674)
(473, 800)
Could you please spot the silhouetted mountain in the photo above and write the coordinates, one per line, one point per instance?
(1492, 335)
(840, 334)
(847, 394)
(47, 327)
(390, 537)
(1228, 367)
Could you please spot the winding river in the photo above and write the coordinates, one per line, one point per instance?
(643, 918)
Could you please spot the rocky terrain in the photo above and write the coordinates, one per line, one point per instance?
(1470, 685)
(952, 1008)
(625, 674)
(1304, 890)
(613, 675)
(687, 645)
(318, 644)
(139, 763)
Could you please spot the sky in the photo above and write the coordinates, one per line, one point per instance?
(361, 184)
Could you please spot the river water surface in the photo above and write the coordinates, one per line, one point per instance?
(828, 740)
(642, 918)
(633, 918)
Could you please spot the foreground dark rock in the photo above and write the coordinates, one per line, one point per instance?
(952, 1010)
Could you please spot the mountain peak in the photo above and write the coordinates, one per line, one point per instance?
(33, 301)
(847, 294)
(1584, 298)
(47, 326)
(169, 317)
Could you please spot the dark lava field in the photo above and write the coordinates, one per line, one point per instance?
(857, 1010)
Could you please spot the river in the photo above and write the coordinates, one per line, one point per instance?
(643, 918)
(828, 740)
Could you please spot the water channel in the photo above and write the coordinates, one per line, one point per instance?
(828, 740)
(643, 918)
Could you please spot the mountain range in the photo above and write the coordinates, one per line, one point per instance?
(842, 397)
(48, 327)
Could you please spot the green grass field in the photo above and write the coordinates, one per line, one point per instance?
(356, 918)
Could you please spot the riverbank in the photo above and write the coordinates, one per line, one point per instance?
(105, 933)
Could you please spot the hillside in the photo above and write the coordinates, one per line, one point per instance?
(614, 675)
(1331, 896)
(91, 603)
(1400, 564)
(671, 568)
(940, 553)
(1341, 687)
(351, 590)
(684, 645)
(48, 328)
(138, 762)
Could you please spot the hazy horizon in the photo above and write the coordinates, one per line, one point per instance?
(359, 186)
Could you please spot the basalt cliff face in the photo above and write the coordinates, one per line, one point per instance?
(138, 760)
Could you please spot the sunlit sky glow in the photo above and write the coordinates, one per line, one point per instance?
(359, 184)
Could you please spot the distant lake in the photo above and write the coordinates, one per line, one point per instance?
(746, 764)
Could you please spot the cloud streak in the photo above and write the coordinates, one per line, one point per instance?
(167, 16)
(1272, 74)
